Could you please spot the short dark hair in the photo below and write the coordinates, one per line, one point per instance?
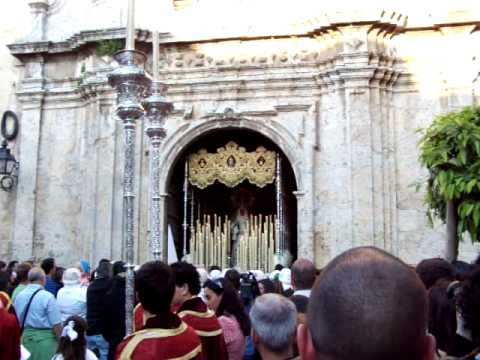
(155, 285)
(300, 302)
(4, 280)
(22, 271)
(368, 289)
(432, 270)
(118, 267)
(104, 270)
(268, 285)
(47, 265)
(11, 265)
(186, 273)
(303, 274)
(278, 267)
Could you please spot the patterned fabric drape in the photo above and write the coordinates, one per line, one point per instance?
(231, 165)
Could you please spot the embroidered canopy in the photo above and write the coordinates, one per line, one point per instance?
(231, 165)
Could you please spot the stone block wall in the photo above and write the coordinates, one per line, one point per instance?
(342, 100)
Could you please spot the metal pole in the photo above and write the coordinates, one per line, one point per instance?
(192, 215)
(130, 82)
(279, 214)
(185, 209)
(157, 108)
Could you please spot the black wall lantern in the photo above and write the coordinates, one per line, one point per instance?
(8, 164)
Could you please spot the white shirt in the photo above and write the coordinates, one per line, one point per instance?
(305, 292)
(72, 300)
(89, 355)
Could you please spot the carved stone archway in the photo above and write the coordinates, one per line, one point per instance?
(176, 143)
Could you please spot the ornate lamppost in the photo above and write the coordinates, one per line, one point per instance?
(157, 107)
(131, 83)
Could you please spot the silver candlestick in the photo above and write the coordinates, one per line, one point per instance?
(157, 107)
(131, 83)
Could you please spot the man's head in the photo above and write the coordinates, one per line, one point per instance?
(118, 268)
(48, 266)
(274, 321)
(104, 270)
(432, 270)
(22, 272)
(155, 285)
(367, 304)
(303, 274)
(187, 282)
(36, 275)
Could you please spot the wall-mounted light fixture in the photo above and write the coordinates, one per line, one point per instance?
(8, 164)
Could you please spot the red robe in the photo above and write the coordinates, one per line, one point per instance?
(9, 336)
(196, 314)
(140, 318)
(164, 336)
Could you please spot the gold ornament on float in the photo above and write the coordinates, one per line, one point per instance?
(231, 165)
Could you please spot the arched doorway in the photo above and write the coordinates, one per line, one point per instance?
(187, 212)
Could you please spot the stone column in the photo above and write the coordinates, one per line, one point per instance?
(28, 156)
(304, 230)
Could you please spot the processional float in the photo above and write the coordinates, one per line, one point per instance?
(247, 241)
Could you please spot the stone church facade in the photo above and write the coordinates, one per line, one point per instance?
(341, 93)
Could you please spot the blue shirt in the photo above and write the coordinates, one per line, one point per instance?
(52, 286)
(43, 313)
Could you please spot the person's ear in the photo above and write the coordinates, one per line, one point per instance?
(430, 347)
(184, 288)
(305, 344)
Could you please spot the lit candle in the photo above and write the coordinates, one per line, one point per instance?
(130, 43)
(156, 55)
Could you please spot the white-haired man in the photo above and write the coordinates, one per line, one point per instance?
(274, 321)
(38, 312)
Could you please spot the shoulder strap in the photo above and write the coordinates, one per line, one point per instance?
(25, 313)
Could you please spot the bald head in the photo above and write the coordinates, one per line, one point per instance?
(367, 304)
(36, 276)
(303, 274)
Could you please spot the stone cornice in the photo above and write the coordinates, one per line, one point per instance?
(390, 21)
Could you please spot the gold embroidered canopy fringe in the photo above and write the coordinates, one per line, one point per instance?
(231, 165)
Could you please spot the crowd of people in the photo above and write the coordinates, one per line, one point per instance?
(365, 304)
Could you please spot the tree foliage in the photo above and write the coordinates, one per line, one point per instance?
(109, 47)
(450, 150)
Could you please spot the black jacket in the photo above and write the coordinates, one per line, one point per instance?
(96, 293)
(115, 314)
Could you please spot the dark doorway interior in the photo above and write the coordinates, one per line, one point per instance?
(217, 198)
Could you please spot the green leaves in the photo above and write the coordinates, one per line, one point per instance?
(450, 150)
